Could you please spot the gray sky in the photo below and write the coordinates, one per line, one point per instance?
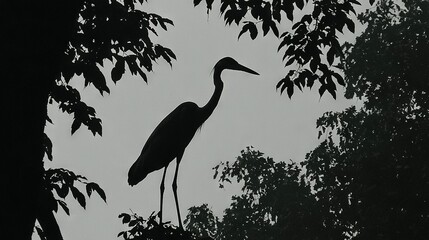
(250, 112)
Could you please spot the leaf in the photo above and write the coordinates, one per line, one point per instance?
(287, 84)
(64, 206)
(290, 61)
(314, 64)
(166, 20)
(161, 22)
(142, 74)
(276, 11)
(280, 84)
(290, 91)
(125, 217)
(48, 119)
(290, 50)
(170, 53)
(316, 11)
(299, 4)
(223, 7)
(118, 70)
(332, 92)
(94, 125)
(63, 191)
(339, 78)
(282, 44)
(47, 144)
(311, 79)
(154, 21)
(230, 16)
(307, 18)
(196, 2)
(88, 189)
(300, 81)
(257, 12)
(94, 186)
(331, 55)
(75, 125)
(245, 28)
(78, 196)
(274, 28)
(132, 223)
(131, 60)
(288, 8)
(253, 31)
(322, 89)
(371, 2)
(93, 75)
(266, 27)
(350, 25)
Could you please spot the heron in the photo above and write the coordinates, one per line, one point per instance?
(173, 134)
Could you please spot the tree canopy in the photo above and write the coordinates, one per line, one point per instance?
(311, 47)
(276, 202)
(368, 177)
(375, 173)
(106, 30)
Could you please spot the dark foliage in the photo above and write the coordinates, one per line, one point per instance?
(150, 229)
(311, 47)
(57, 185)
(369, 175)
(201, 222)
(372, 165)
(106, 30)
(276, 202)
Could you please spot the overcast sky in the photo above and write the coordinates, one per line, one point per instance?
(250, 112)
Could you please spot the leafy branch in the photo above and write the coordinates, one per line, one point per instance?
(311, 48)
(142, 229)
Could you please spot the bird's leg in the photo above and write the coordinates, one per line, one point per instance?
(161, 188)
(179, 157)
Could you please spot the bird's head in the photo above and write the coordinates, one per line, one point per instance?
(230, 63)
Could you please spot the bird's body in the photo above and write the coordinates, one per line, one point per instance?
(180, 132)
(173, 134)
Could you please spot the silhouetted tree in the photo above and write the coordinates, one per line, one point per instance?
(371, 170)
(369, 176)
(276, 202)
(201, 222)
(310, 44)
(43, 45)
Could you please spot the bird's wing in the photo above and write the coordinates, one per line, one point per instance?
(169, 138)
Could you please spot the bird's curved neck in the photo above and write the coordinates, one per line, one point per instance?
(208, 109)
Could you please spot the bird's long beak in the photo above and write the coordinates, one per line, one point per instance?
(240, 67)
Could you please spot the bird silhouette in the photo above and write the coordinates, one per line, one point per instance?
(170, 138)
